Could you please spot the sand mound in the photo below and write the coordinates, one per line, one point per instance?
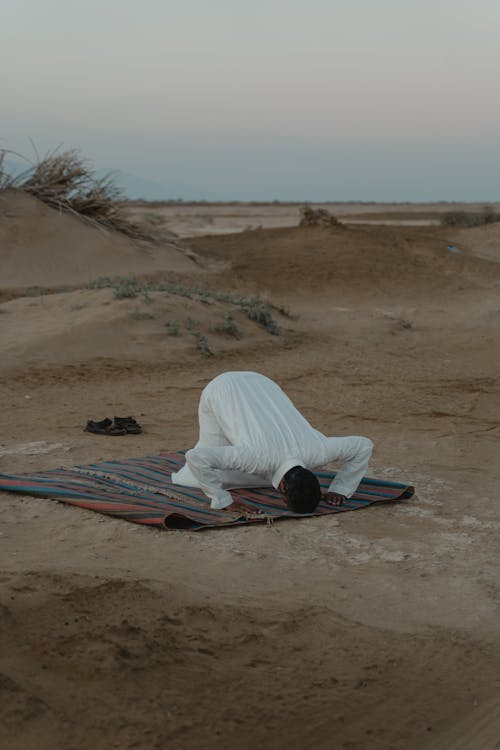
(89, 324)
(360, 259)
(82, 637)
(43, 247)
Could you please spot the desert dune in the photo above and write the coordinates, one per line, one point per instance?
(372, 630)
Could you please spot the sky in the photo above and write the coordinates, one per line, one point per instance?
(383, 100)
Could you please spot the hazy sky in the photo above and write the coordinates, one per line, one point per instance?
(285, 99)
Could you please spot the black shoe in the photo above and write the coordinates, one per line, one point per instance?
(128, 424)
(104, 427)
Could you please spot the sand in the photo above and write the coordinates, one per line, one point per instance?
(195, 219)
(377, 629)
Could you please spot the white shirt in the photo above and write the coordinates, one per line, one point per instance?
(251, 435)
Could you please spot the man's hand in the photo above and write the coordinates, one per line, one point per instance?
(334, 498)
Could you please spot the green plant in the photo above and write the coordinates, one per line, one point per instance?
(179, 289)
(259, 311)
(202, 344)
(126, 288)
(229, 327)
(191, 324)
(255, 307)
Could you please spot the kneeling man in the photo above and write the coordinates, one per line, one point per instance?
(251, 435)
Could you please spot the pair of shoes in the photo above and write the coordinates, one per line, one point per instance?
(121, 426)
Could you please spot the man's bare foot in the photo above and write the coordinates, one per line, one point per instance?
(334, 498)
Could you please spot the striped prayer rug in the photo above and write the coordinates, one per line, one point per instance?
(140, 490)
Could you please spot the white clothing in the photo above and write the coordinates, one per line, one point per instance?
(251, 435)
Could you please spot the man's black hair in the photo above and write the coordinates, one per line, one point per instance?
(302, 490)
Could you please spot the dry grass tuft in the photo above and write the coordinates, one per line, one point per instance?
(317, 217)
(65, 181)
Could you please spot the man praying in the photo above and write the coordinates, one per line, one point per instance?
(251, 435)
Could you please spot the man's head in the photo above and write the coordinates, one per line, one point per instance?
(301, 490)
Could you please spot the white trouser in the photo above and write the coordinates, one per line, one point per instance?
(211, 435)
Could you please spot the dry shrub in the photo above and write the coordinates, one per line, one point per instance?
(65, 181)
(317, 217)
(488, 215)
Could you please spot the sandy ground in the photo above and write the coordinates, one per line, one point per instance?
(377, 629)
(195, 219)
